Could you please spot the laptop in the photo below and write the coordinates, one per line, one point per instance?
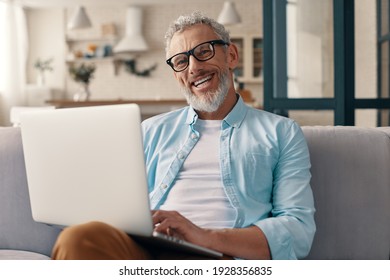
(87, 164)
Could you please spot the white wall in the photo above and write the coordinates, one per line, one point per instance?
(46, 37)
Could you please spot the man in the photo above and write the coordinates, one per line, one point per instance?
(220, 173)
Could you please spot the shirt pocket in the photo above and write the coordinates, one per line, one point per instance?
(258, 176)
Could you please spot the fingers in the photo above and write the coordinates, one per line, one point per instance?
(174, 224)
(170, 222)
(161, 215)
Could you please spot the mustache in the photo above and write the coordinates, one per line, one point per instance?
(202, 73)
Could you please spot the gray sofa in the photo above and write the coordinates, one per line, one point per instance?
(350, 181)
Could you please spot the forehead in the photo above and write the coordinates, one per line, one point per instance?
(190, 37)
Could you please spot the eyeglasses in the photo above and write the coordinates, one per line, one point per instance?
(202, 52)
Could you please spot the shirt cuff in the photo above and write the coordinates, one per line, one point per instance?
(279, 239)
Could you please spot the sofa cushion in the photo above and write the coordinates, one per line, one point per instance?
(21, 255)
(351, 186)
(18, 230)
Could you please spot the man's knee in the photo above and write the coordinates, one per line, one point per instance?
(74, 240)
(76, 235)
(96, 240)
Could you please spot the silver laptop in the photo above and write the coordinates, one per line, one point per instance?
(87, 164)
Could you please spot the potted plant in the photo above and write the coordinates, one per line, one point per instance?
(42, 66)
(82, 74)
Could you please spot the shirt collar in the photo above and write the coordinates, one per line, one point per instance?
(234, 118)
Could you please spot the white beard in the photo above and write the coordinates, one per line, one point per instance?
(209, 101)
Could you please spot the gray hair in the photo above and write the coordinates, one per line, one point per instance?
(186, 21)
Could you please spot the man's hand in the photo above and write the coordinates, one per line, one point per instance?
(247, 243)
(174, 224)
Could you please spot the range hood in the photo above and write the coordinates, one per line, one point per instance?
(133, 40)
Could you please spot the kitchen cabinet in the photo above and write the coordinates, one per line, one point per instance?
(250, 50)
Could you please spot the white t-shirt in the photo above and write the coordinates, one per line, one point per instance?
(198, 193)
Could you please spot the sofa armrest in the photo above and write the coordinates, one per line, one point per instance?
(18, 230)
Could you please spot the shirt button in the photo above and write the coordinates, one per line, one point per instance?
(194, 136)
(181, 155)
(164, 186)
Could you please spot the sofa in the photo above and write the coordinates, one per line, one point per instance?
(350, 181)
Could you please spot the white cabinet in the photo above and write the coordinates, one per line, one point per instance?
(250, 49)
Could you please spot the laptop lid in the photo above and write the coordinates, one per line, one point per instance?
(86, 164)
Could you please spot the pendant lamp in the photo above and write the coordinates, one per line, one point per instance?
(79, 19)
(229, 14)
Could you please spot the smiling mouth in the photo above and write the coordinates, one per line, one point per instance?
(202, 81)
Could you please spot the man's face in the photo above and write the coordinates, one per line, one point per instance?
(204, 83)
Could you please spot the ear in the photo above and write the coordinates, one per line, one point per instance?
(233, 58)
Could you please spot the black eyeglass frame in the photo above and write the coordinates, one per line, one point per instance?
(191, 52)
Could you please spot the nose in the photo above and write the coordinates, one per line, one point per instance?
(194, 64)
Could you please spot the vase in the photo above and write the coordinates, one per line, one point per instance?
(41, 78)
(83, 93)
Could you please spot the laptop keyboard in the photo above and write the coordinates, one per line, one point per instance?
(167, 237)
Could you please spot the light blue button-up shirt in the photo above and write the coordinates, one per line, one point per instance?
(265, 170)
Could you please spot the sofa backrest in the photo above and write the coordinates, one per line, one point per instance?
(350, 181)
(18, 231)
(351, 187)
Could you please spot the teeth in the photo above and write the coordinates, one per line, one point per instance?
(202, 80)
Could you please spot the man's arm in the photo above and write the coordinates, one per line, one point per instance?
(291, 227)
(245, 243)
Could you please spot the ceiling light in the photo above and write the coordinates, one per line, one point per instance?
(229, 14)
(79, 19)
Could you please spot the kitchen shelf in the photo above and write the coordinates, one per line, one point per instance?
(79, 48)
(92, 60)
(71, 40)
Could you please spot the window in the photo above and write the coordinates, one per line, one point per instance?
(2, 47)
(383, 50)
(328, 55)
